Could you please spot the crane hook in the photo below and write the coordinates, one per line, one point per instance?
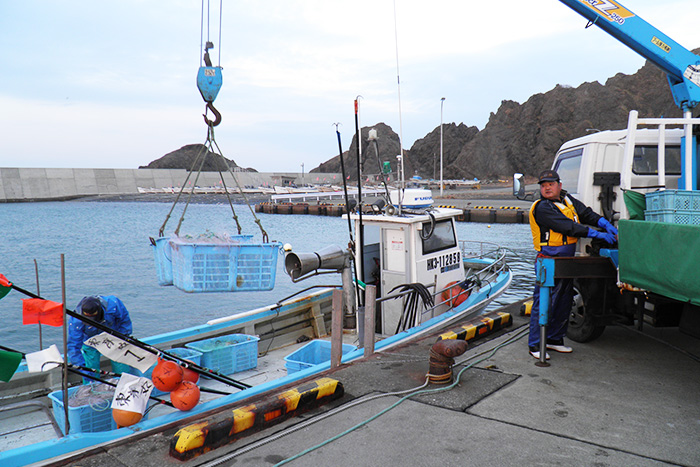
(217, 115)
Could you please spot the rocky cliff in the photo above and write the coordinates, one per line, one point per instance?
(522, 137)
(187, 158)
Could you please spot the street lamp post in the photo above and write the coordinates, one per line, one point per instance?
(442, 101)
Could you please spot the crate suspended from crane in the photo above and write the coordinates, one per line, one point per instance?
(216, 263)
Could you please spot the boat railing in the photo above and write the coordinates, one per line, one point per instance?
(477, 276)
(479, 249)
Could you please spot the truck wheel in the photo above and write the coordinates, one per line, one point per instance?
(588, 296)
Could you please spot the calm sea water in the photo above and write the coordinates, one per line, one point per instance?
(107, 251)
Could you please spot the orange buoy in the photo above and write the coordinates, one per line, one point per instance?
(167, 375)
(451, 295)
(190, 375)
(185, 396)
(125, 417)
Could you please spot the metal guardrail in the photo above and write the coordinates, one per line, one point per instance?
(473, 250)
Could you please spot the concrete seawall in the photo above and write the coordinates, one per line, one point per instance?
(46, 184)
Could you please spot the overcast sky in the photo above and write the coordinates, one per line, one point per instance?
(113, 83)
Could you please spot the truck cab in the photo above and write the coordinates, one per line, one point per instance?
(590, 165)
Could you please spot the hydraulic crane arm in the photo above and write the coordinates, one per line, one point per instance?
(681, 65)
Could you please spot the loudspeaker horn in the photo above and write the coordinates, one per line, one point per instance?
(299, 264)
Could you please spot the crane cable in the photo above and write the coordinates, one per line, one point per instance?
(210, 145)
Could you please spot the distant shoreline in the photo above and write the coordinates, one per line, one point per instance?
(496, 194)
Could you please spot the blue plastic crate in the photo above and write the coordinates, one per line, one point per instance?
(162, 253)
(93, 417)
(676, 200)
(224, 267)
(671, 216)
(228, 354)
(188, 354)
(313, 353)
(90, 418)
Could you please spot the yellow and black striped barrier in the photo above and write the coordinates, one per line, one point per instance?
(480, 326)
(205, 436)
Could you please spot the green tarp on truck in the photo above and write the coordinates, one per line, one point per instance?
(663, 258)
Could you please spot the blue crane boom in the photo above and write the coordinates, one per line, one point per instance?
(681, 65)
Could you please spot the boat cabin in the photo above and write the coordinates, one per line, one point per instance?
(413, 247)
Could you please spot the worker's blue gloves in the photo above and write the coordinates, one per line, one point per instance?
(605, 236)
(609, 228)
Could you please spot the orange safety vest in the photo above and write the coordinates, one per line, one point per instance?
(550, 237)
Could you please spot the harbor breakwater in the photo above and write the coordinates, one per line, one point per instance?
(56, 184)
(483, 214)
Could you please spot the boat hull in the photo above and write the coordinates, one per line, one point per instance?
(72, 444)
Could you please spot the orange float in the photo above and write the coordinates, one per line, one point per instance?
(451, 295)
(167, 375)
(185, 396)
(125, 417)
(190, 375)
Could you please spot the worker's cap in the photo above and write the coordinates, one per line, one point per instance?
(548, 176)
(91, 306)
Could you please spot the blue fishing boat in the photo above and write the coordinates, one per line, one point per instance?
(411, 272)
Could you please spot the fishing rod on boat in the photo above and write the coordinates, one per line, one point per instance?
(89, 373)
(77, 369)
(142, 345)
(351, 245)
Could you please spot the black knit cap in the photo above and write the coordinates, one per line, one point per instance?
(548, 176)
(91, 306)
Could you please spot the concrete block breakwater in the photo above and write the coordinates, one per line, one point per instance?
(485, 214)
(47, 184)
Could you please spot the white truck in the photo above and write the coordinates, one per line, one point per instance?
(598, 169)
(650, 172)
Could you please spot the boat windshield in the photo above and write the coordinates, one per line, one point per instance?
(442, 238)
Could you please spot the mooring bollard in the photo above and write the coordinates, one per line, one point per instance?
(545, 279)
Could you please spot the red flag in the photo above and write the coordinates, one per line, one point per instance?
(36, 310)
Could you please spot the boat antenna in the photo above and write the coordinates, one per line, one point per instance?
(361, 227)
(398, 83)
